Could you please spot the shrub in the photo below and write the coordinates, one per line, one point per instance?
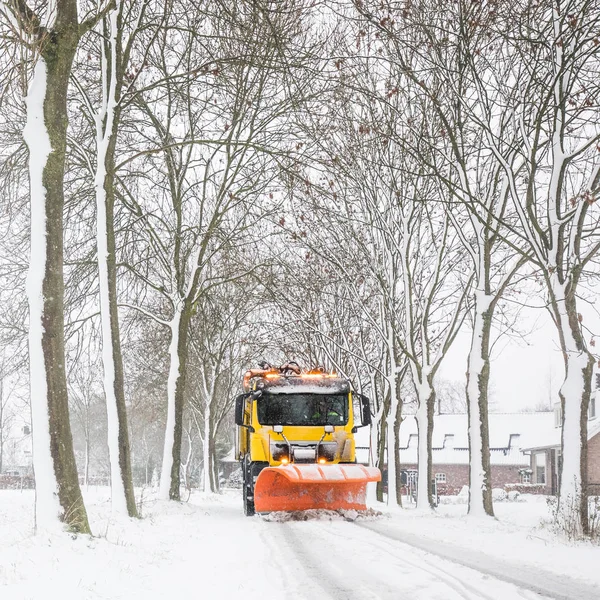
(499, 495)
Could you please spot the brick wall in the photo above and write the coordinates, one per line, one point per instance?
(503, 475)
(594, 460)
(508, 477)
(457, 476)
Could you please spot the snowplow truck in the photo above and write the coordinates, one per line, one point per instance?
(296, 443)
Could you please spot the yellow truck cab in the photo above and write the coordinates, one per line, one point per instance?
(296, 440)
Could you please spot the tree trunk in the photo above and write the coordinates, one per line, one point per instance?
(178, 351)
(45, 135)
(2, 425)
(381, 447)
(374, 435)
(424, 417)
(398, 471)
(123, 500)
(86, 467)
(107, 120)
(574, 395)
(214, 470)
(392, 443)
(206, 449)
(478, 374)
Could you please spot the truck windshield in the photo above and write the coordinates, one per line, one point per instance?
(303, 409)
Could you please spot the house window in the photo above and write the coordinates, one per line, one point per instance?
(540, 467)
(598, 381)
(440, 477)
(557, 415)
(540, 474)
(592, 408)
(525, 476)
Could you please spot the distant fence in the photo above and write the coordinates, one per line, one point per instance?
(27, 482)
(16, 482)
(99, 480)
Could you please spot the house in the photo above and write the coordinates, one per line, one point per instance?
(17, 468)
(510, 435)
(18, 457)
(545, 453)
(524, 450)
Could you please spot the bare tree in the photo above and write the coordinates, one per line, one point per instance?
(553, 185)
(212, 173)
(53, 34)
(513, 100)
(219, 342)
(114, 45)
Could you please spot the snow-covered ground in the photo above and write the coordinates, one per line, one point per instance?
(206, 548)
(521, 533)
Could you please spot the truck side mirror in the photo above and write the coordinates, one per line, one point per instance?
(365, 410)
(239, 409)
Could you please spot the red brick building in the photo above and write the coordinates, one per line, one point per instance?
(524, 451)
(545, 455)
(510, 434)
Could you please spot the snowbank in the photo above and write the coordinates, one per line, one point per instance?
(520, 533)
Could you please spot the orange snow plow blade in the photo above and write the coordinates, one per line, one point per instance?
(308, 486)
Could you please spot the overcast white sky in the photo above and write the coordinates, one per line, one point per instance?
(524, 372)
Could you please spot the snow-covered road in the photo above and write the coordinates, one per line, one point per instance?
(542, 584)
(206, 548)
(340, 560)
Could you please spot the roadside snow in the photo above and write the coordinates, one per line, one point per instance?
(519, 534)
(178, 550)
(207, 548)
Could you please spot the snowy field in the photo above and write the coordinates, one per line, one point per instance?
(207, 549)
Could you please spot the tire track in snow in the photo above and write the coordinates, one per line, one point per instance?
(296, 578)
(322, 566)
(536, 582)
(468, 590)
(345, 564)
(306, 572)
(468, 584)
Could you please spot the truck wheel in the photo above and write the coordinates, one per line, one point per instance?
(247, 487)
(248, 503)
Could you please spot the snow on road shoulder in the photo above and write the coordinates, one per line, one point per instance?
(519, 534)
(204, 546)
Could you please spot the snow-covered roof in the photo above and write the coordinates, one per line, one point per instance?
(507, 430)
(551, 439)
(510, 435)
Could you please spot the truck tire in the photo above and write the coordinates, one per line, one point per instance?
(248, 503)
(247, 491)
